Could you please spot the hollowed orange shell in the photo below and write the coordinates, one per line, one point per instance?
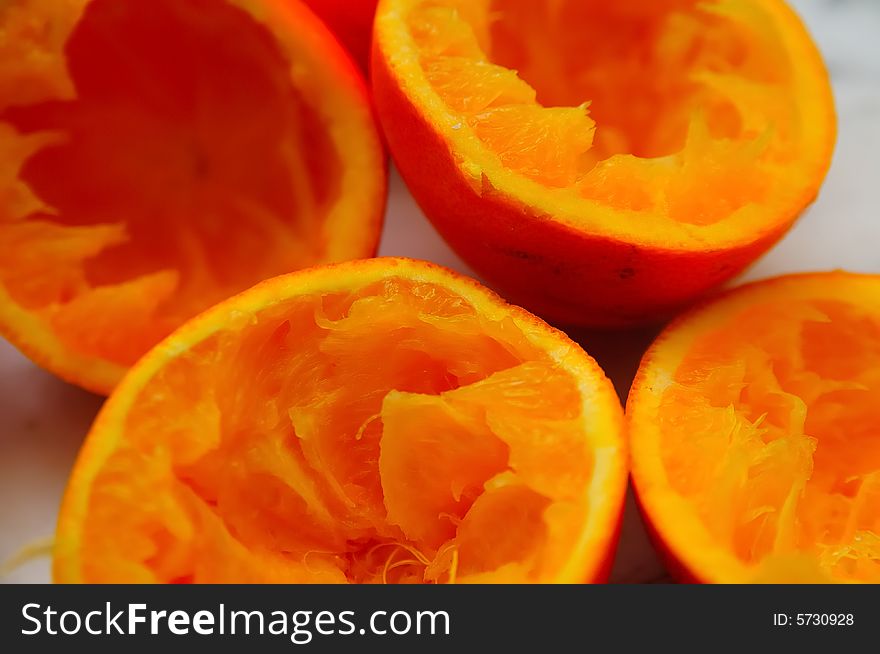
(604, 163)
(753, 426)
(160, 156)
(377, 421)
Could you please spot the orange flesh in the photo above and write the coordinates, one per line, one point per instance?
(770, 431)
(391, 434)
(682, 109)
(157, 158)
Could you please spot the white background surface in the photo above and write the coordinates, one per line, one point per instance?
(43, 420)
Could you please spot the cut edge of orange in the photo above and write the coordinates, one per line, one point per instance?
(36, 340)
(317, 45)
(603, 415)
(394, 46)
(345, 94)
(668, 514)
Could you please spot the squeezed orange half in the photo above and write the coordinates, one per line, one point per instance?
(157, 157)
(604, 163)
(753, 424)
(381, 421)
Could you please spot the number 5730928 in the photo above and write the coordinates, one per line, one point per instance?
(813, 619)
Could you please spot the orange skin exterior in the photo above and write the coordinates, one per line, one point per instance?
(352, 23)
(95, 450)
(565, 275)
(100, 377)
(673, 564)
(678, 569)
(603, 572)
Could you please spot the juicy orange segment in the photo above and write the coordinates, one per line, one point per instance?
(761, 410)
(380, 421)
(161, 156)
(472, 86)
